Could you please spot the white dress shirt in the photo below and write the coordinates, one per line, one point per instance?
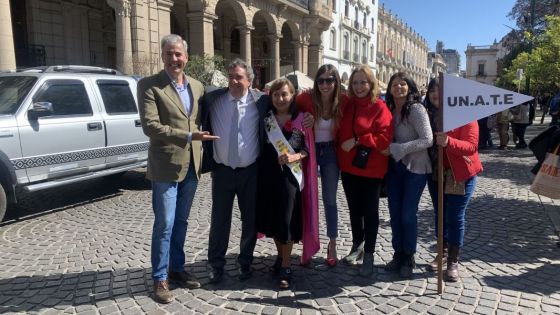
(248, 138)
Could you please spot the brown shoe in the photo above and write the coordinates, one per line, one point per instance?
(162, 293)
(184, 279)
(433, 266)
(452, 271)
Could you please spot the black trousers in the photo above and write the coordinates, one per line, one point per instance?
(519, 131)
(362, 194)
(226, 184)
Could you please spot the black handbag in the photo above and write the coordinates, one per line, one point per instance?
(362, 152)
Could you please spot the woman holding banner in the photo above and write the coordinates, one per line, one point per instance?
(364, 131)
(408, 168)
(324, 103)
(461, 164)
(282, 207)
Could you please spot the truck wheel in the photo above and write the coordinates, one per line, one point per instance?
(3, 203)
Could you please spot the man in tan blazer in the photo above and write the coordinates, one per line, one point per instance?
(168, 104)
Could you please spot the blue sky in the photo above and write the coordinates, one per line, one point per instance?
(456, 23)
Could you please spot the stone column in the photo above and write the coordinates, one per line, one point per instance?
(315, 57)
(298, 63)
(275, 54)
(305, 58)
(124, 35)
(245, 37)
(7, 51)
(201, 33)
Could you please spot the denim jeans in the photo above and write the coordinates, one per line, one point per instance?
(404, 190)
(454, 208)
(171, 202)
(328, 167)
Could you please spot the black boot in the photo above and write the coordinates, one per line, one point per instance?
(396, 263)
(453, 264)
(407, 266)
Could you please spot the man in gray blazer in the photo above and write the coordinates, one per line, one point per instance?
(168, 104)
(235, 115)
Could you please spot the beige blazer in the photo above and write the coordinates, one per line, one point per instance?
(167, 124)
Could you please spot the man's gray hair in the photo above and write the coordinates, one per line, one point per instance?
(173, 39)
(237, 62)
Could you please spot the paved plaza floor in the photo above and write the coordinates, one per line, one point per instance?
(85, 249)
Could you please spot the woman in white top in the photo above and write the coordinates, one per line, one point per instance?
(408, 168)
(324, 103)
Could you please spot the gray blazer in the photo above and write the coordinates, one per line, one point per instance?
(211, 98)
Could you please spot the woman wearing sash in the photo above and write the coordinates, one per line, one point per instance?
(460, 158)
(365, 131)
(324, 103)
(281, 204)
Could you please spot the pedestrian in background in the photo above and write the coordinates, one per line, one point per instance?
(365, 130)
(280, 202)
(503, 119)
(409, 165)
(325, 102)
(461, 165)
(521, 120)
(168, 105)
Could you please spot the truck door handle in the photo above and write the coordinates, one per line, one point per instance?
(137, 123)
(94, 126)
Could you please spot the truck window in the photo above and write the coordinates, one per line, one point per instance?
(68, 97)
(117, 97)
(13, 91)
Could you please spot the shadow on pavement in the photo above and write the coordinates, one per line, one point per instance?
(34, 204)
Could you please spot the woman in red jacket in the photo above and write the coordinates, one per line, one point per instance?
(460, 156)
(364, 131)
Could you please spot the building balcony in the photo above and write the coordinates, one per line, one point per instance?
(302, 3)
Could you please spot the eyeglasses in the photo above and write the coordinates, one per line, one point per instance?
(356, 83)
(328, 81)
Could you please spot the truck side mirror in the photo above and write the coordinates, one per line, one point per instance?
(40, 109)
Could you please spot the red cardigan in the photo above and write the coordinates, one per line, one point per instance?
(374, 128)
(461, 152)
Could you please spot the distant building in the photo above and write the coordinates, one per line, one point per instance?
(351, 39)
(400, 48)
(436, 64)
(274, 36)
(451, 58)
(484, 62)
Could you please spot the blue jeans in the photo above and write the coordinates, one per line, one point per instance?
(171, 202)
(454, 208)
(404, 190)
(330, 173)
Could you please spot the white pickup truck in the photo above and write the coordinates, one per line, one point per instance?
(64, 124)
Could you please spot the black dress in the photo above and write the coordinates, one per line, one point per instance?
(279, 213)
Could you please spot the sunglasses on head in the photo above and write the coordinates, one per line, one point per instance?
(330, 80)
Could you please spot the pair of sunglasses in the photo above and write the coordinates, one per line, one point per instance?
(329, 81)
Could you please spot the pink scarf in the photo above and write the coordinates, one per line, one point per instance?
(309, 196)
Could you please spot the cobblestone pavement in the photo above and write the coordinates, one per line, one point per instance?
(85, 249)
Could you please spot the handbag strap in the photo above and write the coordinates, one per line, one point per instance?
(354, 122)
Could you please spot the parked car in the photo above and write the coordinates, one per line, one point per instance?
(64, 124)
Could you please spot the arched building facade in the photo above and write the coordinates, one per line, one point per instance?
(275, 36)
(400, 48)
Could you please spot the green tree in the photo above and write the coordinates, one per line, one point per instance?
(203, 68)
(544, 62)
(521, 13)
